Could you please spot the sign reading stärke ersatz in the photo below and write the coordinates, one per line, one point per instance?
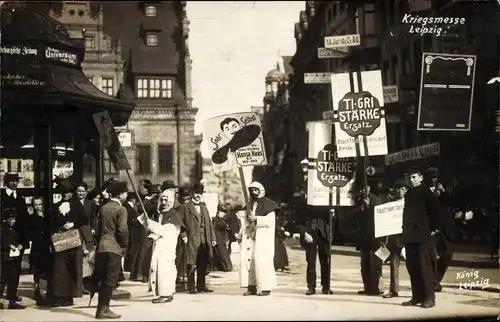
(328, 169)
(342, 41)
(446, 92)
(317, 78)
(360, 114)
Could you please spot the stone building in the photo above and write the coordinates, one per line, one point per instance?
(145, 47)
(274, 122)
(103, 64)
(387, 44)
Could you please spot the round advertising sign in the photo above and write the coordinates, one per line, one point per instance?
(333, 171)
(359, 113)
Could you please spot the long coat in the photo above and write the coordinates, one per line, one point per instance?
(257, 256)
(66, 276)
(192, 222)
(163, 270)
(366, 220)
(421, 215)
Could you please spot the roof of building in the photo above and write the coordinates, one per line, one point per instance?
(275, 74)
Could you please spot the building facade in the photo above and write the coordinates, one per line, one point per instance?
(274, 121)
(307, 102)
(144, 46)
(387, 45)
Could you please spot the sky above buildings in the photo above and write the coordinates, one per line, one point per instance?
(233, 44)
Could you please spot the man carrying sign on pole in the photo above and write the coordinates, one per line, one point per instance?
(328, 185)
(235, 141)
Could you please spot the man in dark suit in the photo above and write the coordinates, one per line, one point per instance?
(199, 237)
(314, 225)
(13, 204)
(183, 196)
(367, 244)
(138, 235)
(442, 239)
(113, 238)
(420, 223)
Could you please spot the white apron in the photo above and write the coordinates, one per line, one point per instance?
(257, 257)
(163, 269)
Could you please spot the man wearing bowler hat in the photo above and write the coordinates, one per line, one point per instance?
(420, 223)
(169, 185)
(14, 205)
(199, 237)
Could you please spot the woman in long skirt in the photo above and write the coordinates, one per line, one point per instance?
(280, 253)
(222, 259)
(65, 281)
(40, 245)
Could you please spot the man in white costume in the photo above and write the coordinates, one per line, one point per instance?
(257, 272)
(165, 233)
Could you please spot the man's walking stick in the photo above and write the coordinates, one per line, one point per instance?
(184, 262)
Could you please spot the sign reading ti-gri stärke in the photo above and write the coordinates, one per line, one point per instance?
(235, 140)
(329, 178)
(446, 92)
(358, 102)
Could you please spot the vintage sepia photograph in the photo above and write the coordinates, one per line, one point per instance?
(249, 160)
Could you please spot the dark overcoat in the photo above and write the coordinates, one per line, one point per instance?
(192, 223)
(421, 215)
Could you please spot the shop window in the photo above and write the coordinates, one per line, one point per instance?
(165, 158)
(90, 43)
(107, 86)
(143, 159)
(157, 88)
(150, 11)
(89, 166)
(151, 40)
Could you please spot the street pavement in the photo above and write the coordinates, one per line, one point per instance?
(287, 302)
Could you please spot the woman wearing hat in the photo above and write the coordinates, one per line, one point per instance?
(222, 260)
(65, 281)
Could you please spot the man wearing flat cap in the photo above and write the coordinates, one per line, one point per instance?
(420, 223)
(443, 238)
(14, 206)
(199, 237)
(113, 238)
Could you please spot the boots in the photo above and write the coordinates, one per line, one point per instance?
(103, 311)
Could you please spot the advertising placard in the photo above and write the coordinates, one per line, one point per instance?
(328, 170)
(446, 92)
(110, 141)
(389, 218)
(235, 140)
(359, 115)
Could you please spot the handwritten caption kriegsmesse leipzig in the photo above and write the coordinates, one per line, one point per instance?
(430, 25)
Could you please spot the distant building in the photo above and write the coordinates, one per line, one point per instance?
(274, 121)
(226, 184)
(103, 64)
(148, 42)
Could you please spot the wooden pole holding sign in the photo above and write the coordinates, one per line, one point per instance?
(112, 144)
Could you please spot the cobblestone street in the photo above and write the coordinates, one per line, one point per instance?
(287, 302)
